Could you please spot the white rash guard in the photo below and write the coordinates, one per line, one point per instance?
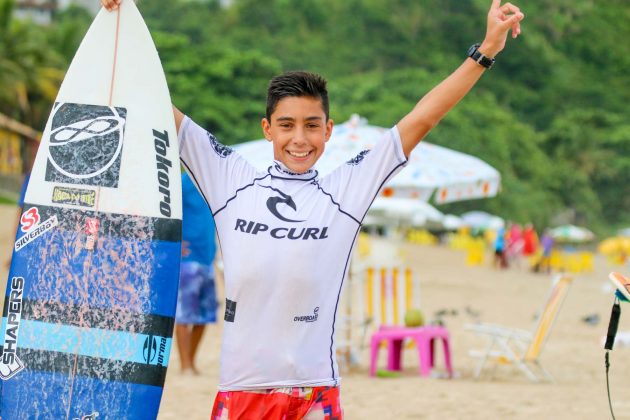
(286, 240)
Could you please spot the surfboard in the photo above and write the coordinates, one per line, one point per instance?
(91, 294)
(622, 283)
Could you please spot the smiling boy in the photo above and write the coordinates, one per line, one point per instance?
(287, 234)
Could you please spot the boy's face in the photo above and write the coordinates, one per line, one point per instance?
(298, 130)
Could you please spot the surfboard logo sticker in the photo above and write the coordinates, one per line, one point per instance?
(30, 218)
(74, 196)
(85, 144)
(10, 363)
(35, 232)
(150, 350)
(92, 226)
(162, 143)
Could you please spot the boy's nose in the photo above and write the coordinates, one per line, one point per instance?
(299, 136)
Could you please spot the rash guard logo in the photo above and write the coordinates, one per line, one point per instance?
(273, 202)
(221, 150)
(308, 318)
(358, 158)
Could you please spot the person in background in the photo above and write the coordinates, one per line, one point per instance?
(196, 299)
(546, 242)
(515, 244)
(500, 259)
(530, 240)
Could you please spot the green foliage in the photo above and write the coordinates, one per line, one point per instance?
(30, 71)
(6, 201)
(223, 89)
(551, 116)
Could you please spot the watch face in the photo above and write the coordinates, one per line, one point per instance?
(472, 49)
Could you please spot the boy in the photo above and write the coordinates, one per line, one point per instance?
(287, 234)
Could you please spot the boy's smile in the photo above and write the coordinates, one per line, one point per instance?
(298, 130)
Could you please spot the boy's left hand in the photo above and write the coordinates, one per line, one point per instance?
(111, 5)
(501, 18)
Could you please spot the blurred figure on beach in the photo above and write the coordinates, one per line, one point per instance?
(514, 246)
(530, 240)
(546, 242)
(500, 259)
(196, 299)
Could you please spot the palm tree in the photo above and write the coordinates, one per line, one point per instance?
(30, 71)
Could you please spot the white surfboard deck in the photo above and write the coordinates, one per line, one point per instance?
(139, 86)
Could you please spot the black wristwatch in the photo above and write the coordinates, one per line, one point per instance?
(475, 54)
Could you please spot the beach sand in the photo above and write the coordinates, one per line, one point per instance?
(573, 353)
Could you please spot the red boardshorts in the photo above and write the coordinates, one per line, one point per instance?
(317, 403)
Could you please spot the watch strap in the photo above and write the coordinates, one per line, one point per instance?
(479, 58)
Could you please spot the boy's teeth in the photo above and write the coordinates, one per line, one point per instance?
(299, 154)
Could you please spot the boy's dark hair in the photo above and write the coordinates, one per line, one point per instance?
(296, 84)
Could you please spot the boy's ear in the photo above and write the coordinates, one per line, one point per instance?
(329, 128)
(266, 128)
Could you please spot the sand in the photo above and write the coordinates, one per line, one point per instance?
(573, 353)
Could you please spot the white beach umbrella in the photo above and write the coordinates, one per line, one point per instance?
(405, 207)
(482, 220)
(571, 233)
(452, 222)
(432, 170)
(405, 210)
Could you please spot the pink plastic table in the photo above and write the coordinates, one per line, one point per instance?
(424, 337)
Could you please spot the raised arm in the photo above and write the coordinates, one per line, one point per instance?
(179, 116)
(438, 102)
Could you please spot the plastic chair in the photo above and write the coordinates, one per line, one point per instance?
(522, 348)
(424, 338)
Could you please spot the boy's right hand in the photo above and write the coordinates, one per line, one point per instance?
(111, 4)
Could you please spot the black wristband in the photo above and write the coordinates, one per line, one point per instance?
(482, 60)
